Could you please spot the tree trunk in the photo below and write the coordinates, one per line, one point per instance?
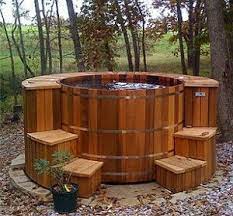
(59, 37)
(179, 17)
(126, 37)
(196, 60)
(134, 37)
(75, 35)
(196, 42)
(143, 36)
(21, 38)
(48, 55)
(109, 57)
(11, 57)
(18, 49)
(41, 39)
(222, 66)
(190, 41)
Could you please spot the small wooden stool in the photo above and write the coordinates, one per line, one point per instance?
(86, 174)
(178, 173)
(198, 143)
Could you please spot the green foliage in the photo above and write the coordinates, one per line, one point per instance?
(61, 157)
(42, 166)
(98, 33)
(55, 168)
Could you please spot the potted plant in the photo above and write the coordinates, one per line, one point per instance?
(64, 193)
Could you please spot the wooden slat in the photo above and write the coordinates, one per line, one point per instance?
(204, 109)
(40, 110)
(188, 104)
(213, 93)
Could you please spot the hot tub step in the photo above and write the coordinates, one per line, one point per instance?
(179, 173)
(41, 145)
(198, 143)
(86, 174)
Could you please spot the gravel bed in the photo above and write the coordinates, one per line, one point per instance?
(216, 199)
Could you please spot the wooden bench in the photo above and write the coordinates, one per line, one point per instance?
(86, 174)
(198, 143)
(41, 145)
(178, 173)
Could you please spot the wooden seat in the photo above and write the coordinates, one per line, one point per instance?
(41, 145)
(85, 173)
(198, 143)
(179, 173)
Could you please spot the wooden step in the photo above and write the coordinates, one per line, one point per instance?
(179, 173)
(86, 174)
(41, 145)
(198, 143)
(196, 133)
(52, 137)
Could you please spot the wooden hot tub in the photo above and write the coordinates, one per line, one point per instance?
(127, 129)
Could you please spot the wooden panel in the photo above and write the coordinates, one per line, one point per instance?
(200, 111)
(188, 98)
(213, 94)
(87, 185)
(36, 150)
(42, 110)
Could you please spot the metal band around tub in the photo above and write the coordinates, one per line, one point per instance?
(125, 131)
(127, 173)
(132, 157)
(121, 96)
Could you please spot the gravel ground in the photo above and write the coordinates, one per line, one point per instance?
(217, 199)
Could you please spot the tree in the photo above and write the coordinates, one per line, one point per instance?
(142, 18)
(59, 37)
(194, 30)
(43, 62)
(75, 35)
(129, 14)
(22, 48)
(11, 54)
(47, 23)
(190, 33)
(99, 31)
(179, 19)
(222, 65)
(196, 42)
(121, 21)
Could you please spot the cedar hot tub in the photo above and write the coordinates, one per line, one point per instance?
(126, 120)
